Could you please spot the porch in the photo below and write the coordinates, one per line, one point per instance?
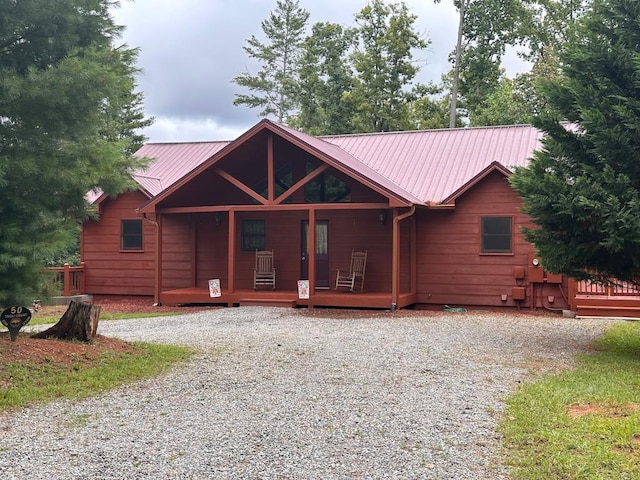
(286, 298)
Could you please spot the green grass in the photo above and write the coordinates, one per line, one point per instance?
(24, 383)
(544, 441)
(38, 320)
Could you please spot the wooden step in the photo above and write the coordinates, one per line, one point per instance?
(266, 302)
(608, 310)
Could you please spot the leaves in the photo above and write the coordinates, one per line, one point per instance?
(68, 126)
(582, 189)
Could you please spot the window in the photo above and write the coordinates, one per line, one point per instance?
(496, 235)
(253, 236)
(131, 235)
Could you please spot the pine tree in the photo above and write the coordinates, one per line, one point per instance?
(275, 85)
(68, 119)
(582, 189)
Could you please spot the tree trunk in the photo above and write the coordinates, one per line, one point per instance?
(79, 322)
(455, 82)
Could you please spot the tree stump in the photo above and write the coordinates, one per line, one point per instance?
(79, 322)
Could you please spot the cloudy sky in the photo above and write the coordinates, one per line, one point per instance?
(191, 49)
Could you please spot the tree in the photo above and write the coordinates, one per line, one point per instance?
(326, 79)
(276, 83)
(429, 108)
(506, 105)
(68, 123)
(383, 61)
(582, 190)
(485, 29)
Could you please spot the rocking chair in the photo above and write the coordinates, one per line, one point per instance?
(264, 274)
(354, 278)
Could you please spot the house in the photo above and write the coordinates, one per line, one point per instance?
(433, 210)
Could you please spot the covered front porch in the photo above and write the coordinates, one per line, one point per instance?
(287, 298)
(305, 201)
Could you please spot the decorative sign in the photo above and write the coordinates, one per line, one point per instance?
(214, 288)
(14, 318)
(303, 289)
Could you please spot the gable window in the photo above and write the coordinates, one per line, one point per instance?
(496, 235)
(253, 235)
(131, 235)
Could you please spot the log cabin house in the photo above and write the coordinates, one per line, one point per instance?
(433, 210)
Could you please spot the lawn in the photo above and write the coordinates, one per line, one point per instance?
(583, 423)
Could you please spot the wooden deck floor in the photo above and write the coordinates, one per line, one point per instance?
(285, 298)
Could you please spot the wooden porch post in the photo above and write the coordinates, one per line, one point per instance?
(414, 255)
(395, 255)
(395, 262)
(158, 279)
(312, 255)
(572, 291)
(194, 252)
(231, 251)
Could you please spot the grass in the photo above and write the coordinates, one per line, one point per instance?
(44, 320)
(23, 383)
(583, 423)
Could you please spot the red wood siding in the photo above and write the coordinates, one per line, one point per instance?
(451, 269)
(108, 270)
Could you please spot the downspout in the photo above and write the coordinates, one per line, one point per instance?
(395, 280)
(156, 279)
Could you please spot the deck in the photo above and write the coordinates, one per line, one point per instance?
(286, 298)
(617, 299)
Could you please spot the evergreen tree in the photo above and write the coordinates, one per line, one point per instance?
(582, 189)
(383, 61)
(68, 119)
(326, 79)
(275, 85)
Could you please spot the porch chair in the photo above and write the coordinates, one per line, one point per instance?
(264, 274)
(354, 278)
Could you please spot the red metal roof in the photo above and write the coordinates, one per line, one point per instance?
(433, 164)
(172, 161)
(421, 167)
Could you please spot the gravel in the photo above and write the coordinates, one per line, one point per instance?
(280, 394)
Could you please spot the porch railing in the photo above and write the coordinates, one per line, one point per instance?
(613, 289)
(70, 278)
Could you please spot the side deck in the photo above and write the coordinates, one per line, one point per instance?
(616, 299)
(285, 298)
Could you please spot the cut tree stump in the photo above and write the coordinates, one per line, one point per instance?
(79, 322)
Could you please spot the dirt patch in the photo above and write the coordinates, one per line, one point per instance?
(42, 351)
(580, 410)
(45, 351)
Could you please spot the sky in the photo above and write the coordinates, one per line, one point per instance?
(190, 50)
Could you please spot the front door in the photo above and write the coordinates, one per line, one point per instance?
(322, 252)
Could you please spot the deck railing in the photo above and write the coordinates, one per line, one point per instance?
(613, 289)
(70, 278)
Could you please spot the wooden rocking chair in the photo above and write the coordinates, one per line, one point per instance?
(354, 278)
(264, 275)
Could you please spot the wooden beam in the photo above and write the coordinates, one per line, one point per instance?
(271, 191)
(158, 273)
(194, 252)
(274, 208)
(395, 261)
(300, 183)
(231, 252)
(414, 255)
(312, 255)
(237, 183)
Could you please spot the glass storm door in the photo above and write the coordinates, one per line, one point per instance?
(322, 253)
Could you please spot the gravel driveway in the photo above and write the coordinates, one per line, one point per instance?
(279, 394)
